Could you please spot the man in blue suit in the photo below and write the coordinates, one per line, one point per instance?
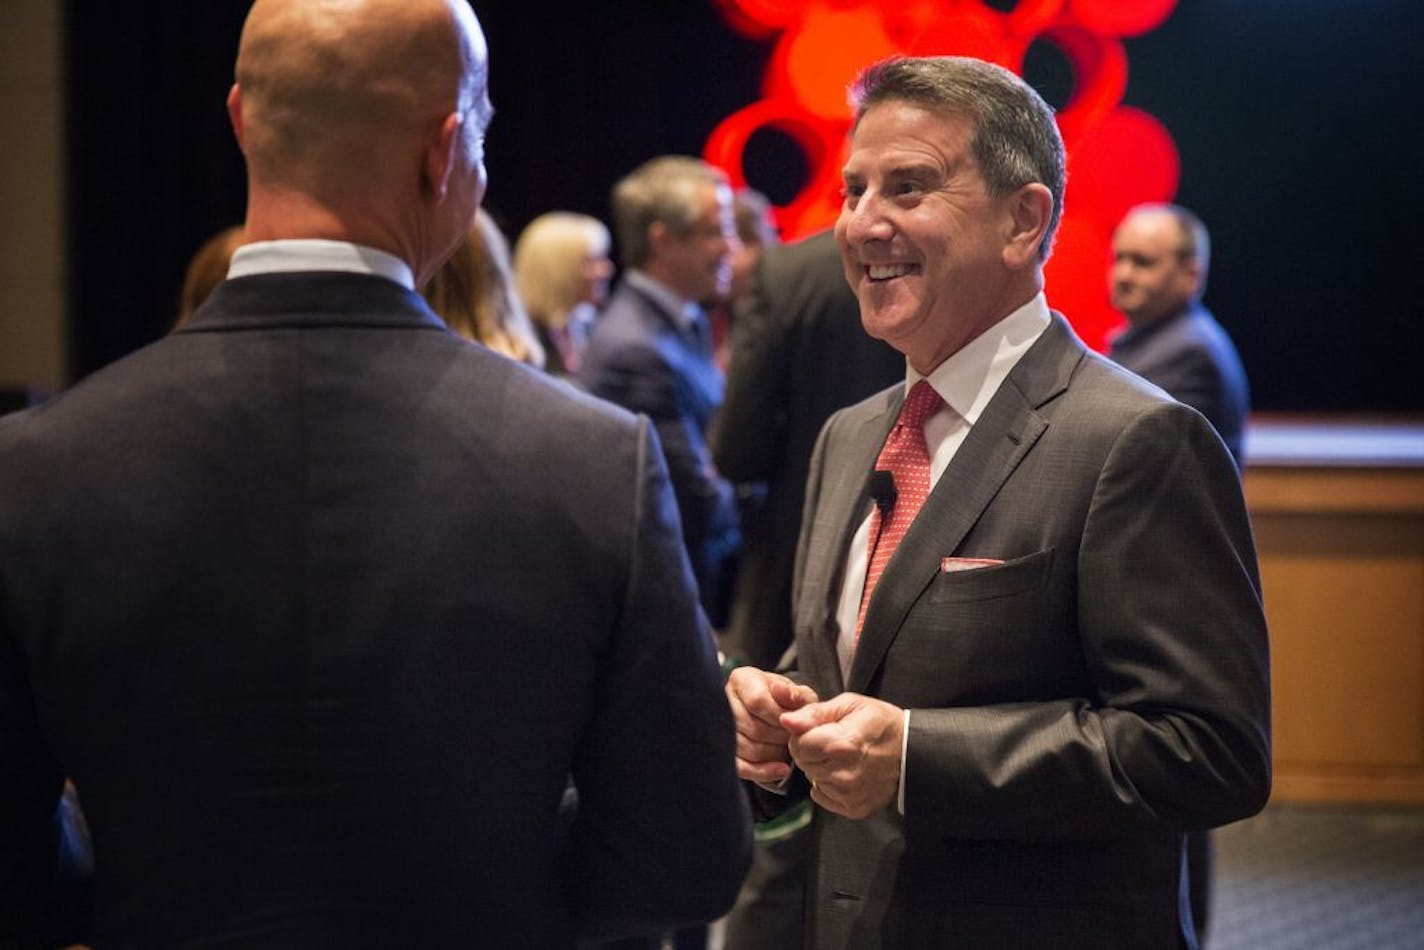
(322, 607)
(651, 351)
(1158, 275)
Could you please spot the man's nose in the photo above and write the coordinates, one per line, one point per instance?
(867, 221)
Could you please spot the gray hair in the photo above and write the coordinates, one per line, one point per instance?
(663, 189)
(1016, 140)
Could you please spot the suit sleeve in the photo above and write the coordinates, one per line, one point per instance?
(662, 836)
(1169, 618)
(749, 433)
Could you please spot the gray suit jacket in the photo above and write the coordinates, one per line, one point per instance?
(321, 607)
(1075, 708)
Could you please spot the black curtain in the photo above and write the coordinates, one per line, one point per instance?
(1299, 131)
(1297, 122)
(153, 168)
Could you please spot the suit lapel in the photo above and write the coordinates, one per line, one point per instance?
(845, 502)
(1004, 434)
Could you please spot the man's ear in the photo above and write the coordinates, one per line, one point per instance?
(234, 112)
(1191, 275)
(439, 160)
(659, 234)
(1030, 209)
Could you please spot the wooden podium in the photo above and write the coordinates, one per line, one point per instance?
(1338, 513)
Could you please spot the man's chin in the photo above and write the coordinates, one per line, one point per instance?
(880, 326)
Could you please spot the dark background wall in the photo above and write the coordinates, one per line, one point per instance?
(1298, 123)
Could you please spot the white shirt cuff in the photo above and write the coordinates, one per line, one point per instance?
(904, 750)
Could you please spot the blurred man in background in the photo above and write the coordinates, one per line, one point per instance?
(651, 351)
(1157, 278)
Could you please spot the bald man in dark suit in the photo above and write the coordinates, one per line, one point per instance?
(324, 608)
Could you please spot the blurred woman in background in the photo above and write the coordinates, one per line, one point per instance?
(474, 293)
(562, 269)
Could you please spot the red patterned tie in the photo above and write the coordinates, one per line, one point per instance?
(907, 458)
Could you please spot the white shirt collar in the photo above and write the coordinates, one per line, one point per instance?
(968, 379)
(313, 254)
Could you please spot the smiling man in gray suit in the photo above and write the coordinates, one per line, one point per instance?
(1031, 650)
(322, 607)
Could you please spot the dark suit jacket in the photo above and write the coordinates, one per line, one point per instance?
(799, 353)
(1192, 358)
(639, 358)
(321, 606)
(1075, 708)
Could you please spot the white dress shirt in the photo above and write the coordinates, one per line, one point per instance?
(966, 381)
(314, 254)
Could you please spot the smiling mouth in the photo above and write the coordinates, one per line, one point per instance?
(879, 272)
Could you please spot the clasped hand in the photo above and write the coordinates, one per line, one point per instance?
(848, 746)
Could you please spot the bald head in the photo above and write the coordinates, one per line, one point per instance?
(363, 120)
(332, 90)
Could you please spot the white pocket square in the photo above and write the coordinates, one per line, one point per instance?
(950, 564)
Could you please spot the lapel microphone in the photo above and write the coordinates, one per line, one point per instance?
(882, 489)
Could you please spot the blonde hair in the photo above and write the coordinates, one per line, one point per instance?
(473, 292)
(549, 258)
